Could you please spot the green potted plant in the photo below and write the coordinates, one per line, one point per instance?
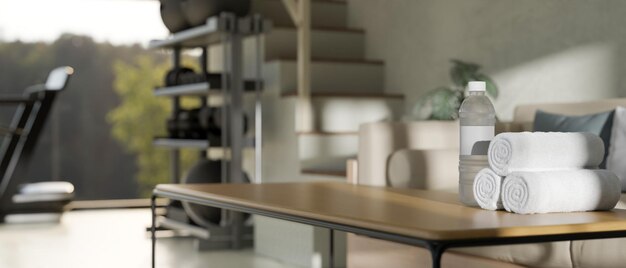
(443, 103)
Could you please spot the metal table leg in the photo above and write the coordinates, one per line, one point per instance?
(153, 229)
(436, 250)
(331, 256)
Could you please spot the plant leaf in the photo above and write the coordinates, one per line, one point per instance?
(445, 104)
(472, 67)
(422, 109)
(463, 72)
(456, 76)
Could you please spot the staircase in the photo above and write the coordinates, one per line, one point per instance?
(346, 91)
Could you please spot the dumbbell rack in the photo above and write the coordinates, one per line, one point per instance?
(228, 30)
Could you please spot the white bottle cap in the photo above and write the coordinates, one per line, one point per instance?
(476, 86)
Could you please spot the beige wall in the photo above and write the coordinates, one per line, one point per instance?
(536, 50)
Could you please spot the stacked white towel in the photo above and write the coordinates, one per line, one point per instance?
(487, 185)
(538, 151)
(560, 191)
(545, 172)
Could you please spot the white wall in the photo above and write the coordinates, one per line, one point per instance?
(536, 50)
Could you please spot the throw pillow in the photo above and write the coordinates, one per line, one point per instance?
(599, 124)
(616, 161)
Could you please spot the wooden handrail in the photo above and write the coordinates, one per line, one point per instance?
(300, 13)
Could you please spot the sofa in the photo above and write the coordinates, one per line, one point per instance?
(424, 155)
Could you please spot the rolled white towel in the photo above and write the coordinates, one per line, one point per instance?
(560, 191)
(487, 185)
(537, 151)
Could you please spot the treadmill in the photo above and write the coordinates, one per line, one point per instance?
(21, 201)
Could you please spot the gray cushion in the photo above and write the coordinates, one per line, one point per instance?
(599, 124)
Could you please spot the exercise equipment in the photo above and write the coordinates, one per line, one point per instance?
(199, 123)
(172, 15)
(186, 125)
(196, 12)
(21, 201)
(184, 76)
(205, 171)
(174, 76)
(211, 120)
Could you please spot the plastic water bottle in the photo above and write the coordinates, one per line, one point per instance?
(478, 120)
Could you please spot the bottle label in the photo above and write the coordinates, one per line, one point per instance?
(476, 139)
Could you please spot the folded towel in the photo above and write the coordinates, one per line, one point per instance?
(560, 191)
(537, 151)
(487, 185)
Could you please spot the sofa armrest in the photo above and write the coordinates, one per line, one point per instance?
(513, 127)
(435, 169)
(377, 141)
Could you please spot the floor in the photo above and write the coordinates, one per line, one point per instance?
(110, 238)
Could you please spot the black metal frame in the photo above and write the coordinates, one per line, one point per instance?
(228, 30)
(436, 247)
(33, 109)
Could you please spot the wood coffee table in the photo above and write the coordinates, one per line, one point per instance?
(434, 220)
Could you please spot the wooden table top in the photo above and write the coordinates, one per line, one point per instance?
(408, 212)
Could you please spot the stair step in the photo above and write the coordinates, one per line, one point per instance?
(327, 42)
(281, 43)
(335, 60)
(332, 75)
(326, 28)
(323, 152)
(326, 133)
(323, 12)
(356, 94)
(319, 172)
(333, 116)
